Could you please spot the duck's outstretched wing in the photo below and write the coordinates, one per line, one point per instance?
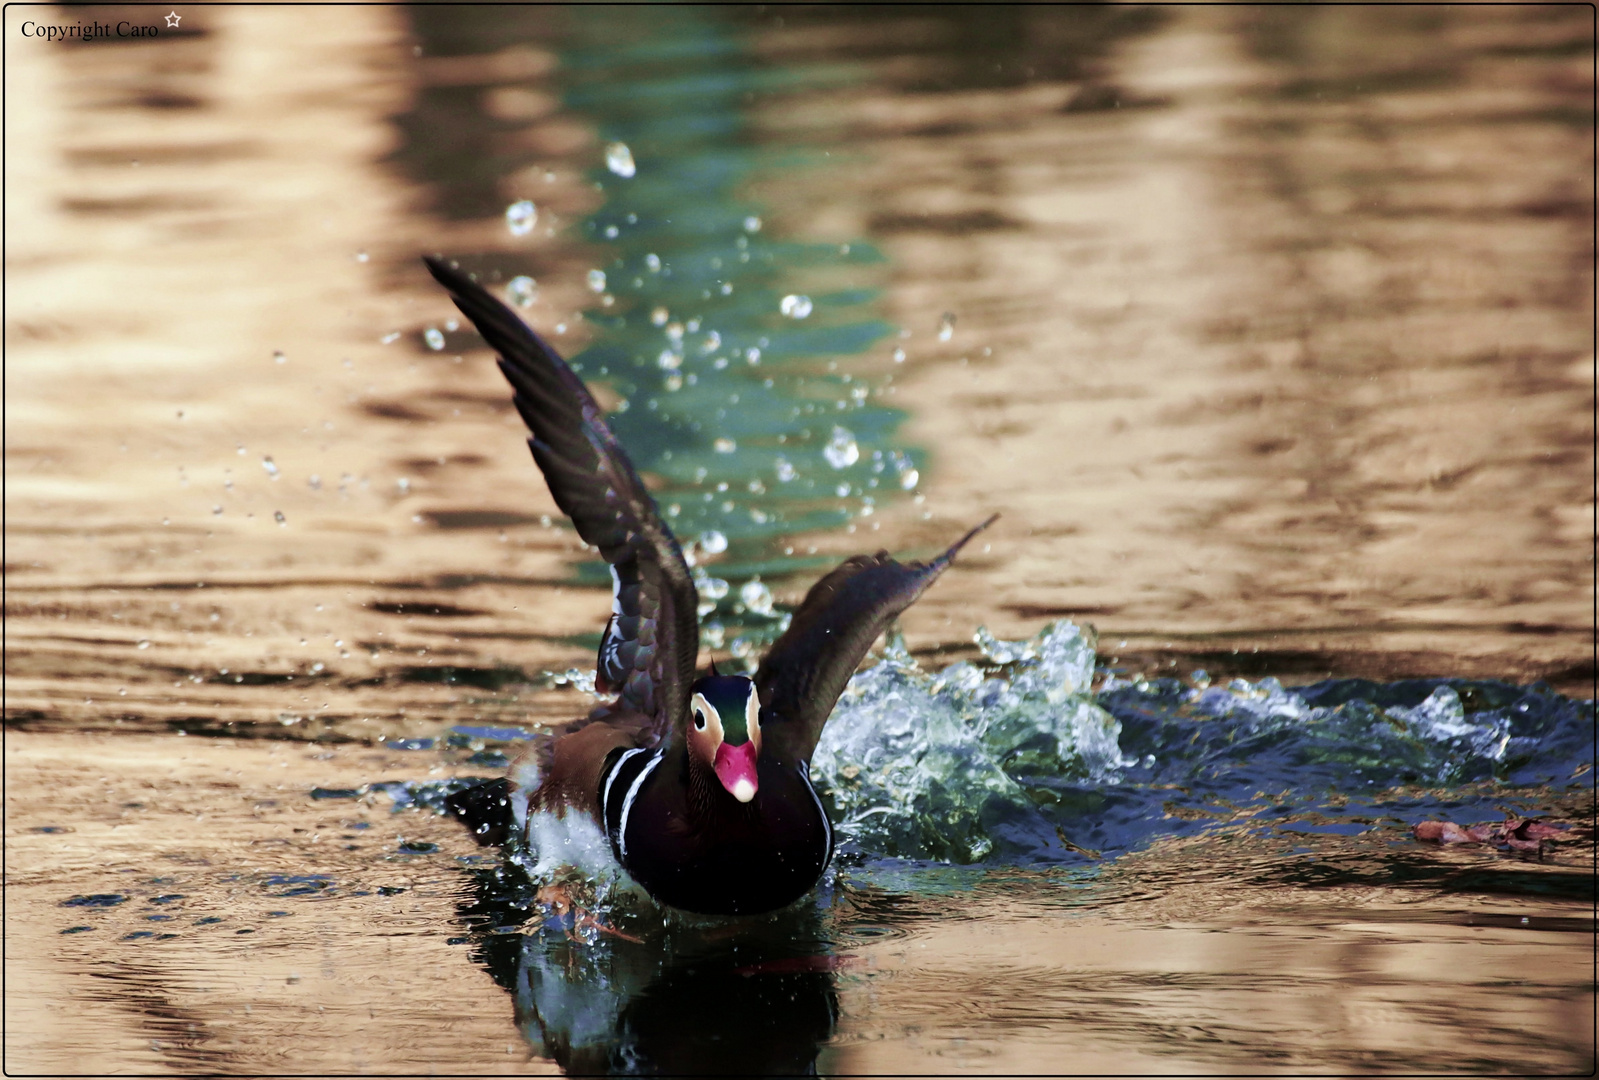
(808, 667)
(649, 648)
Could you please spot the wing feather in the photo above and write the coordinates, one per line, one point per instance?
(807, 668)
(650, 646)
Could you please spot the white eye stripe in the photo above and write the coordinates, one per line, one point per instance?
(713, 719)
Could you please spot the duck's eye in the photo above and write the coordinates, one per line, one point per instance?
(699, 720)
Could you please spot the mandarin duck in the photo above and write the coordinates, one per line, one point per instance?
(699, 786)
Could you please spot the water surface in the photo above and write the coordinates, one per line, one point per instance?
(1281, 381)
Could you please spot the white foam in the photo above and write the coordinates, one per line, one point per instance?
(524, 777)
(558, 839)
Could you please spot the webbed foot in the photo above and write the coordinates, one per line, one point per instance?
(558, 898)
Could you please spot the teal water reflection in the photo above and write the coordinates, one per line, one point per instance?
(723, 341)
(726, 346)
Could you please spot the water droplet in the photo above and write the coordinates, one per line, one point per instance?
(619, 159)
(756, 596)
(674, 331)
(659, 316)
(752, 355)
(278, 357)
(361, 256)
(752, 224)
(899, 356)
(522, 290)
(712, 542)
(596, 279)
(946, 326)
(277, 515)
(390, 338)
(785, 471)
(216, 509)
(520, 217)
(794, 306)
(842, 491)
(713, 341)
(403, 484)
(712, 588)
(908, 479)
(841, 451)
(672, 383)
(669, 360)
(315, 481)
(612, 232)
(653, 262)
(270, 466)
(725, 446)
(144, 644)
(434, 338)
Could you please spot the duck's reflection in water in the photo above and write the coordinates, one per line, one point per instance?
(751, 996)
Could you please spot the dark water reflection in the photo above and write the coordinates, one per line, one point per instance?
(755, 998)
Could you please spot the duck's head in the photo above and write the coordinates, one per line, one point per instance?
(724, 730)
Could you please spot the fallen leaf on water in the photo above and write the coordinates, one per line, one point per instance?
(1444, 832)
(1518, 834)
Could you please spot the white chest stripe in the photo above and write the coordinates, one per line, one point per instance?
(627, 803)
(805, 777)
(610, 778)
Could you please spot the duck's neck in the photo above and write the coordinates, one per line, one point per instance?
(708, 800)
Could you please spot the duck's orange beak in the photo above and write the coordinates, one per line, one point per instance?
(735, 768)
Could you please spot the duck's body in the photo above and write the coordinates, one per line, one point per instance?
(700, 787)
(682, 843)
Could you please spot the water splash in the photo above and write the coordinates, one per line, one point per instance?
(945, 766)
(520, 217)
(619, 159)
(841, 450)
(522, 290)
(1016, 760)
(795, 306)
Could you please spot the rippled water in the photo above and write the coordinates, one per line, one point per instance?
(1281, 382)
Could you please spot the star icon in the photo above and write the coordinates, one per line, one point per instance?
(173, 19)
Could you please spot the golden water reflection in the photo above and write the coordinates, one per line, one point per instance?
(1269, 361)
